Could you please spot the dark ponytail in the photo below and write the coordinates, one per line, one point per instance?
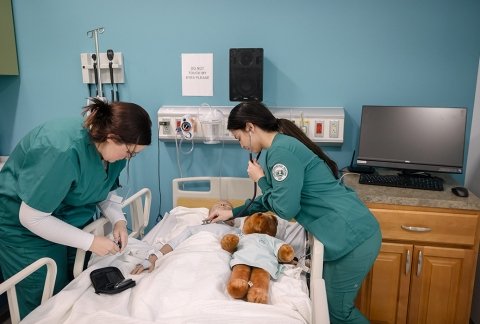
(287, 127)
(258, 114)
(124, 122)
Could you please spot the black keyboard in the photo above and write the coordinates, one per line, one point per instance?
(401, 181)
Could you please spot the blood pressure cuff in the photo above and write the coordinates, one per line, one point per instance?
(109, 280)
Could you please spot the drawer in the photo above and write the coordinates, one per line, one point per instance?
(427, 226)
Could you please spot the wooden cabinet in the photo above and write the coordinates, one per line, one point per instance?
(426, 267)
(383, 297)
(8, 49)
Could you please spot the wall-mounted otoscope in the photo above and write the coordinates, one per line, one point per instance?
(110, 56)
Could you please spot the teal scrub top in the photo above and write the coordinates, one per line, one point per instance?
(298, 184)
(56, 169)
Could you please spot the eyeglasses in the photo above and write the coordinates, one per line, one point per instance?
(130, 153)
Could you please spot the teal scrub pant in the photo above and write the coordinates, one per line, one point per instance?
(30, 290)
(343, 278)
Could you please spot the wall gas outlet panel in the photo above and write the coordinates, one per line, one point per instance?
(323, 125)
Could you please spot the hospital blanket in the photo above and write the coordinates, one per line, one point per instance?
(187, 286)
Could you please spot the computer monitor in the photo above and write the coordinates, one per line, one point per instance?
(413, 139)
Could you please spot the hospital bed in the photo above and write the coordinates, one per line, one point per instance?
(188, 284)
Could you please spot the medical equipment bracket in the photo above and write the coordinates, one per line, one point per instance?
(99, 68)
(323, 125)
(88, 73)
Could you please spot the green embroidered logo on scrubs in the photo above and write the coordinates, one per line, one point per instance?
(279, 172)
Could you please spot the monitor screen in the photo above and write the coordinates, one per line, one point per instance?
(413, 138)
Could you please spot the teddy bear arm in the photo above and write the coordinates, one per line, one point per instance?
(229, 242)
(285, 253)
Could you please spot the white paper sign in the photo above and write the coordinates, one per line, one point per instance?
(197, 74)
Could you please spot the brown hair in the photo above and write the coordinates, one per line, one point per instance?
(124, 122)
(258, 114)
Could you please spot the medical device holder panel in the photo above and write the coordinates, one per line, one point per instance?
(323, 125)
(88, 72)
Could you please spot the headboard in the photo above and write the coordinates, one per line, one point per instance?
(205, 191)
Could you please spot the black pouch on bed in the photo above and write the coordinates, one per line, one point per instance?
(109, 280)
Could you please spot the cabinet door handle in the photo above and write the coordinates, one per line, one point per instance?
(420, 263)
(408, 264)
(416, 228)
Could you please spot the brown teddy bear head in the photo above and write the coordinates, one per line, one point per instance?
(263, 223)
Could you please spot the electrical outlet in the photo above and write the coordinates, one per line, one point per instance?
(164, 127)
(319, 128)
(333, 128)
(305, 127)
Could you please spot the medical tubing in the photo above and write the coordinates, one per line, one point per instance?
(178, 156)
(159, 215)
(191, 147)
(220, 167)
(181, 142)
(95, 74)
(110, 67)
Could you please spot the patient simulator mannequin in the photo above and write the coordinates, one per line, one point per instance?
(219, 229)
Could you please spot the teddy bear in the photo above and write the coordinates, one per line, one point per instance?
(256, 257)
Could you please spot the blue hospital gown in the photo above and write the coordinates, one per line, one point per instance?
(259, 250)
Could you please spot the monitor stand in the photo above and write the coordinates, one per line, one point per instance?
(359, 168)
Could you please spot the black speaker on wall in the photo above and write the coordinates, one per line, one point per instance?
(246, 74)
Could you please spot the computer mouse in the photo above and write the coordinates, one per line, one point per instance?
(460, 191)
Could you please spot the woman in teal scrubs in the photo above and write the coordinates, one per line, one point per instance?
(300, 181)
(50, 187)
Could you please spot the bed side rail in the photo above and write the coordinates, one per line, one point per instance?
(139, 204)
(9, 285)
(139, 210)
(318, 294)
(316, 248)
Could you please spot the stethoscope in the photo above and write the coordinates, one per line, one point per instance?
(240, 214)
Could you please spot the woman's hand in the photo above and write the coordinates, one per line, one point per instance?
(102, 245)
(255, 171)
(120, 234)
(218, 214)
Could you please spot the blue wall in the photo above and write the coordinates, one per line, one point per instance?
(317, 53)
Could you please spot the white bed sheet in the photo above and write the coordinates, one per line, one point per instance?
(187, 286)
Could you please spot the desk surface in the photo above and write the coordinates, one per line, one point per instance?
(412, 197)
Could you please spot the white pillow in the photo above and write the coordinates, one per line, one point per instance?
(178, 219)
